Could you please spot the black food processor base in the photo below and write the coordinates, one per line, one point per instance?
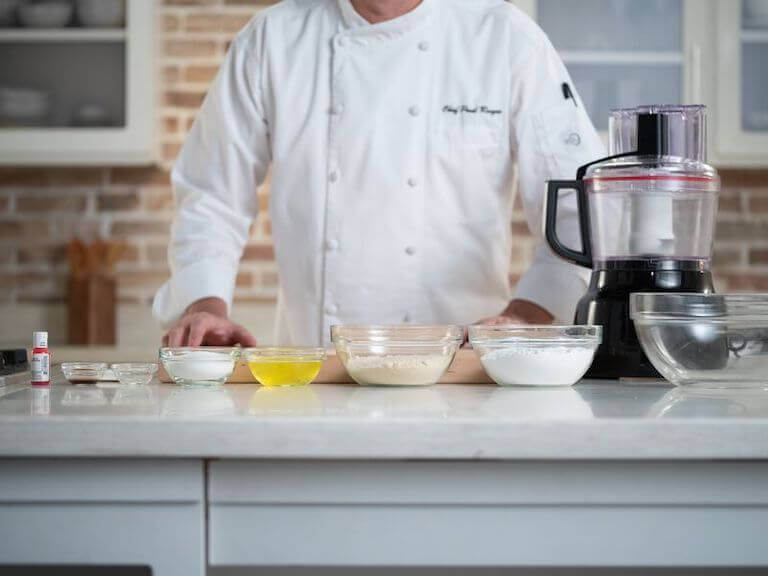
(606, 303)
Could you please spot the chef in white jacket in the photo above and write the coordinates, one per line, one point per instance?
(396, 131)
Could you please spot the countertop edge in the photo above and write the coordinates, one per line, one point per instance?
(388, 440)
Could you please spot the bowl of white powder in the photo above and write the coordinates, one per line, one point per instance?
(209, 366)
(396, 355)
(536, 355)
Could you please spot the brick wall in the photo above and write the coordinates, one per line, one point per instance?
(40, 209)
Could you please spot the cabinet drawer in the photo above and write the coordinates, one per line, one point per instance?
(487, 513)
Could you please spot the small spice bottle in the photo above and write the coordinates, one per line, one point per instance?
(41, 360)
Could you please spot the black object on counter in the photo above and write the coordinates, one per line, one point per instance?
(606, 304)
(635, 208)
(13, 362)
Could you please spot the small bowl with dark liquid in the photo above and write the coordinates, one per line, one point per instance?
(84, 372)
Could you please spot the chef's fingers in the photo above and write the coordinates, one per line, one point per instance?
(199, 328)
(241, 336)
(502, 321)
(177, 337)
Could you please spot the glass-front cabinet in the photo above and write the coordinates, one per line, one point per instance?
(631, 52)
(620, 53)
(742, 82)
(77, 82)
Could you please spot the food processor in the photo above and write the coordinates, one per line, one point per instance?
(646, 219)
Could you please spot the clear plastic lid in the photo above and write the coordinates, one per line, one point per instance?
(660, 130)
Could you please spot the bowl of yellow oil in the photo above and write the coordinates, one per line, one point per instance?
(284, 366)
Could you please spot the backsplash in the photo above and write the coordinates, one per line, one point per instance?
(41, 209)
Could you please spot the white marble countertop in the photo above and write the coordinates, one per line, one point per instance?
(593, 420)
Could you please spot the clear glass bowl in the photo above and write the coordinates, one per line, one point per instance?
(83, 372)
(134, 374)
(208, 366)
(526, 355)
(396, 355)
(284, 366)
(704, 340)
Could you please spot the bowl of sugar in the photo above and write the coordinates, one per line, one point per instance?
(524, 355)
(207, 366)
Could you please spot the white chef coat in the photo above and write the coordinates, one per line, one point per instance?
(393, 150)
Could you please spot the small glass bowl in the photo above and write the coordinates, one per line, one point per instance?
(208, 366)
(526, 355)
(397, 355)
(83, 372)
(135, 374)
(704, 340)
(284, 366)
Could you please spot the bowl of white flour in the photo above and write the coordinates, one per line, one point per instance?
(535, 355)
(396, 355)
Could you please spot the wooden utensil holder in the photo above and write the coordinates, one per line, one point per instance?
(92, 310)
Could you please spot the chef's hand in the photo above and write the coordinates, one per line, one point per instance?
(205, 323)
(520, 312)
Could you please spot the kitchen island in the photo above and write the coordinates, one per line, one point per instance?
(183, 480)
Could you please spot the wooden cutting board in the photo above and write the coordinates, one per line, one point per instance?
(466, 369)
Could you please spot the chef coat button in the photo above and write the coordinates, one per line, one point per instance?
(407, 319)
(410, 250)
(331, 310)
(341, 42)
(413, 182)
(414, 111)
(337, 109)
(333, 176)
(424, 46)
(331, 245)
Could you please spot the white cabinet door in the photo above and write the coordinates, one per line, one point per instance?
(742, 82)
(102, 513)
(79, 93)
(623, 53)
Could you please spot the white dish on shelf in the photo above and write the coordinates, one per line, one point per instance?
(101, 13)
(23, 106)
(91, 116)
(49, 14)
